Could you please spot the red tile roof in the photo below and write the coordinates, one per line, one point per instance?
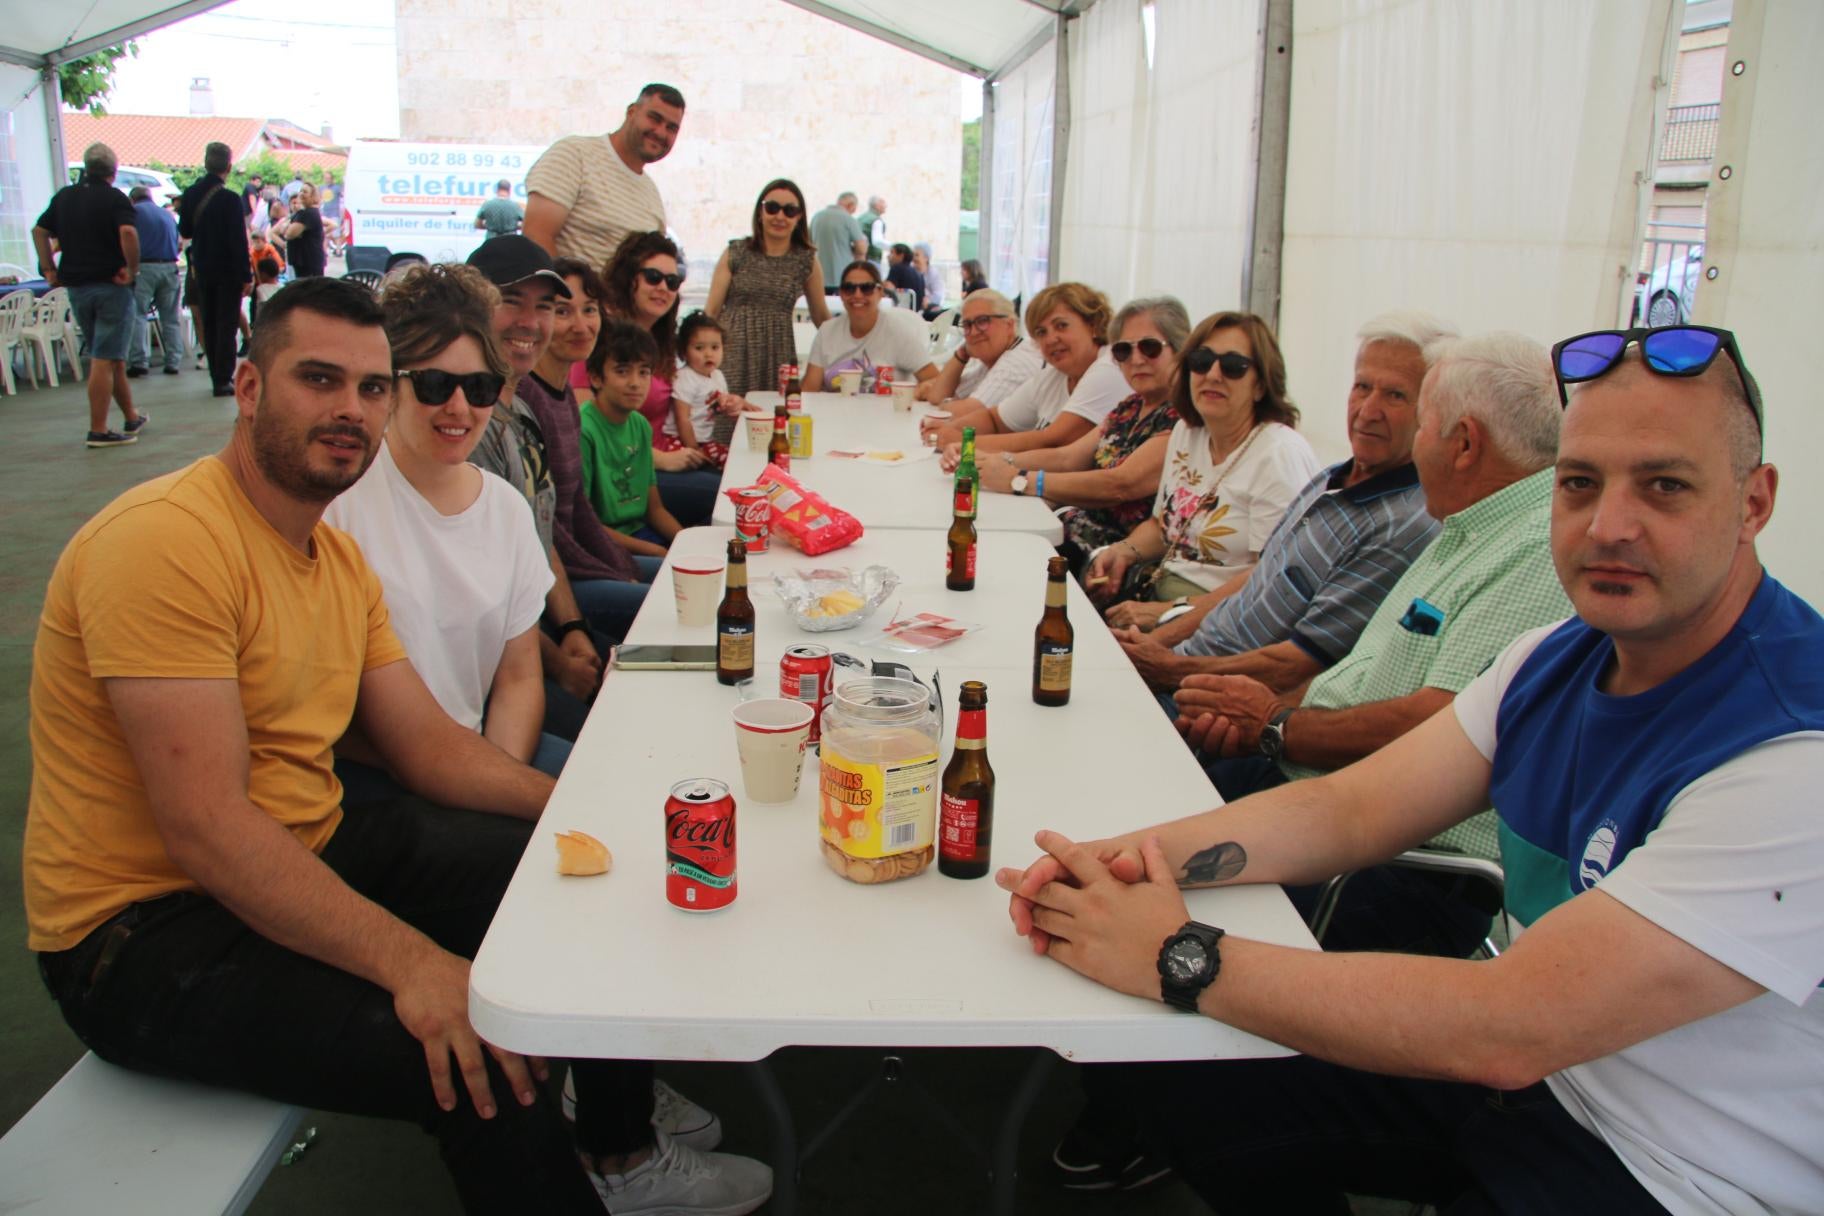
(139, 139)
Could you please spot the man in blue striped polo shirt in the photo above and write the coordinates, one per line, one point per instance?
(1341, 545)
(1650, 1041)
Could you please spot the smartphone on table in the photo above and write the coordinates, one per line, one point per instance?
(665, 658)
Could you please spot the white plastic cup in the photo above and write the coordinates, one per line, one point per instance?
(696, 583)
(848, 383)
(770, 736)
(902, 394)
(759, 430)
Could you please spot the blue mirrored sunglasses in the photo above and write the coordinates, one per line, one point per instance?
(1675, 350)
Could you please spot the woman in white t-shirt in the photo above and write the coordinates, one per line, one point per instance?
(1068, 397)
(454, 547)
(1233, 465)
(866, 337)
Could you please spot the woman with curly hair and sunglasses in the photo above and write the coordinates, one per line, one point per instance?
(756, 284)
(455, 547)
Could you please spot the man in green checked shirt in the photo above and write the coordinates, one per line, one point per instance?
(1487, 437)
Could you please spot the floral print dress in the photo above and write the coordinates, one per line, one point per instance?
(1128, 426)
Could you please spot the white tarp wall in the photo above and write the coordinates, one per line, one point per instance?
(1019, 228)
(1475, 161)
(25, 163)
(1160, 183)
(1766, 244)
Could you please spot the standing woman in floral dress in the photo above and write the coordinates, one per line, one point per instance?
(756, 285)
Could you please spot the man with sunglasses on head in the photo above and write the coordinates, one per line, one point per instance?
(992, 361)
(1650, 1040)
(586, 193)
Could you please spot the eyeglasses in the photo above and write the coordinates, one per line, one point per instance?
(865, 289)
(655, 276)
(1151, 348)
(433, 387)
(1674, 350)
(970, 324)
(792, 210)
(1233, 366)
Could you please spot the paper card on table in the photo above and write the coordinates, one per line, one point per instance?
(893, 456)
(925, 631)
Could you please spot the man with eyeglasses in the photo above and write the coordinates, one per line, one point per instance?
(992, 361)
(1650, 1041)
(587, 192)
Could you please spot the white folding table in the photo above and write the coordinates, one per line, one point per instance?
(605, 967)
(911, 495)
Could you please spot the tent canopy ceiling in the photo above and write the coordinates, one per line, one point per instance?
(38, 35)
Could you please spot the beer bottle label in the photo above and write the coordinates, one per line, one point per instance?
(968, 562)
(735, 647)
(965, 501)
(782, 459)
(1054, 666)
(959, 824)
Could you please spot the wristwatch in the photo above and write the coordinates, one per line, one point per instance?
(1188, 963)
(569, 627)
(1018, 485)
(1273, 736)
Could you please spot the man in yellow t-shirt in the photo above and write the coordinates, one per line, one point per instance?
(201, 904)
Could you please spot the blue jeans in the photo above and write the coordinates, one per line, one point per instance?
(690, 496)
(609, 605)
(157, 287)
(104, 314)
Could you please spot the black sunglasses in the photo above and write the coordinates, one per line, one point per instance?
(1234, 366)
(866, 289)
(432, 387)
(792, 210)
(1674, 350)
(1152, 348)
(655, 276)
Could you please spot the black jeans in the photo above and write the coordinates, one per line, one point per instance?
(180, 987)
(1290, 1136)
(218, 307)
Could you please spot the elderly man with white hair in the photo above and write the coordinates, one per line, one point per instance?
(992, 361)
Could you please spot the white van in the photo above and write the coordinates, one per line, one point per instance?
(421, 199)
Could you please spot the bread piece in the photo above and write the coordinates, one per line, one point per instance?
(581, 854)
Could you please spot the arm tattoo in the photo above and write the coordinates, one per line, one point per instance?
(1217, 864)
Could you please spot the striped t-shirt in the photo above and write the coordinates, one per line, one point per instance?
(1325, 568)
(606, 199)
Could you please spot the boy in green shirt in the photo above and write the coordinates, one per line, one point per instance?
(618, 475)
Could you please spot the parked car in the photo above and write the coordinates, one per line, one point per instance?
(1666, 298)
(128, 176)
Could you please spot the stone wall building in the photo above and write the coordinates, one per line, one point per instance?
(771, 91)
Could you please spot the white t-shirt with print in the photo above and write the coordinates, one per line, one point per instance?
(899, 338)
(1217, 517)
(1738, 1095)
(993, 385)
(458, 587)
(695, 389)
(1037, 403)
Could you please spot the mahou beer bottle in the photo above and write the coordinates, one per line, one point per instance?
(965, 820)
(959, 558)
(735, 621)
(794, 391)
(779, 447)
(1053, 641)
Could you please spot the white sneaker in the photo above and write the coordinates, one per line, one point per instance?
(672, 1113)
(679, 1181)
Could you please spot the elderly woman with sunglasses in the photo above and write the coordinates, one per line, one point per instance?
(455, 547)
(756, 284)
(992, 361)
(865, 337)
(1109, 476)
(1233, 465)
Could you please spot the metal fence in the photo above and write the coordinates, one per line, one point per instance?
(1690, 132)
(1671, 269)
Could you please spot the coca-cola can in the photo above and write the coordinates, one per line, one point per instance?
(753, 516)
(700, 845)
(883, 380)
(787, 371)
(804, 675)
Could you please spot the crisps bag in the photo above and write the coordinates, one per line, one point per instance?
(804, 518)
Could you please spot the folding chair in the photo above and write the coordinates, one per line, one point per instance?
(15, 308)
(1470, 850)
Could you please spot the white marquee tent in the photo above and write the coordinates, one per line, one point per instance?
(1320, 161)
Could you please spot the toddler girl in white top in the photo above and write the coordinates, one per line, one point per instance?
(697, 394)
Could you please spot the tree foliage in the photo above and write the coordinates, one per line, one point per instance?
(86, 82)
(972, 148)
(274, 168)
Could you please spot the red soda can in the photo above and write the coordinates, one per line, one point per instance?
(804, 675)
(883, 380)
(753, 516)
(700, 845)
(787, 371)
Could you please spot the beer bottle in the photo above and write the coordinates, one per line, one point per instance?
(779, 447)
(794, 391)
(965, 828)
(959, 559)
(1053, 641)
(735, 620)
(965, 467)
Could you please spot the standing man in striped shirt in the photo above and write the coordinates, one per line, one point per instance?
(587, 192)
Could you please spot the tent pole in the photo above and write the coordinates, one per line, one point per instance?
(984, 186)
(1260, 284)
(1060, 149)
(52, 90)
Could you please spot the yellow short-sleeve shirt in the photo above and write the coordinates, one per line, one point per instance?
(181, 578)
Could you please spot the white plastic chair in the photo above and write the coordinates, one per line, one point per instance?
(53, 324)
(15, 272)
(15, 308)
